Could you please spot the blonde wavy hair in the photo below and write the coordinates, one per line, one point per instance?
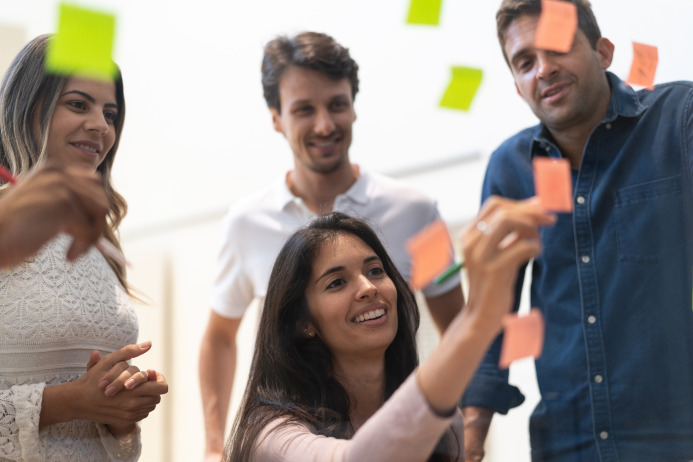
(27, 89)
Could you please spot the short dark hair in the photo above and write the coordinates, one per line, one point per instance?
(510, 10)
(309, 50)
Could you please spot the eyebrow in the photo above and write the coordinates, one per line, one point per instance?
(334, 269)
(88, 97)
(517, 55)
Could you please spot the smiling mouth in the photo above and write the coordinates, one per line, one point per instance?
(375, 314)
(86, 148)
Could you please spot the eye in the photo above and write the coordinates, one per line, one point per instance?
(339, 105)
(81, 105)
(303, 110)
(111, 116)
(376, 271)
(336, 283)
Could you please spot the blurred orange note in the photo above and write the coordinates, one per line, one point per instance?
(430, 252)
(645, 60)
(523, 336)
(552, 183)
(557, 25)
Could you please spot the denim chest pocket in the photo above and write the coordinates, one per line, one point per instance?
(649, 220)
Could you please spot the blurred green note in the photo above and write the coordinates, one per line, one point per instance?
(462, 88)
(83, 44)
(426, 12)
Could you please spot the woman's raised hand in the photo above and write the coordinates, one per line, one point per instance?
(504, 236)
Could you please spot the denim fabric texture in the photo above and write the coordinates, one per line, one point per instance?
(614, 283)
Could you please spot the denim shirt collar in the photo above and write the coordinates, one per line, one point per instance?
(624, 102)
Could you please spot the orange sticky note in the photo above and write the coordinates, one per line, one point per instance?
(645, 60)
(557, 25)
(430, 253)
(523, 336)
(552, 183)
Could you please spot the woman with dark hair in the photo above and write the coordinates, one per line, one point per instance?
(62, 303)
(334, 375)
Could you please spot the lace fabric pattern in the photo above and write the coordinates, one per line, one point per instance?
(54, 313)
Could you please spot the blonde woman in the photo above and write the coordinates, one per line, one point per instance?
(68, 326)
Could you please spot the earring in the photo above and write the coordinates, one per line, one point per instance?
(310, 334)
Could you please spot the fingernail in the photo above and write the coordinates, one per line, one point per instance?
(130, 383)
(145, 345)
(103, 383)
(110, 391)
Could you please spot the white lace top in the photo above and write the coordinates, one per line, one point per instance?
(52, 315)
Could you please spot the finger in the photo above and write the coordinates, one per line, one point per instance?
(151, 375)
(136, 379)
(93, 359)
(126, 353)
(113, 373)
(132, 372)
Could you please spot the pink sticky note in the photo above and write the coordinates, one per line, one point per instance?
(644, 66)
(552, 183)
(523, 336)
(430, 253)
(557, 25)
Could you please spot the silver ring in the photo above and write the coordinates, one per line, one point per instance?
(482, 226)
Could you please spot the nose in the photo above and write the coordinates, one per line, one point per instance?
(324, 125)
(97, 122)
(366, 288)
(546, 66)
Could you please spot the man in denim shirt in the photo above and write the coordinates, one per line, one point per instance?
(614, 281)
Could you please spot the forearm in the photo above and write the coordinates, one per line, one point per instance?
(444, 376)
(58, 404)
(444, 308)
(217, 371)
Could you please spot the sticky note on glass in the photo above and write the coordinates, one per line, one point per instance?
(462, 88)
(430, 252)
(425, 12)
(557, 25)
(83, 44)
(523, 336)
(553, 184)
(644, 66)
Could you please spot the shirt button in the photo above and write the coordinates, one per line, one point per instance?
(608, 126)
(548, 148)
(591, 319)
(580, 200)
(585, 259)
(598, 378)
(604, 435)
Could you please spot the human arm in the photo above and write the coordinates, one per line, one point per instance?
(51, 199)
(444, 307)
(85, 399)
(492, 259)
(217, 367)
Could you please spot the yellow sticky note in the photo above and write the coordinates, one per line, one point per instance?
(462, 88)
(83, 44)
(430, 252)
(426, 12)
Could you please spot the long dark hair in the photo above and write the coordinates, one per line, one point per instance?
(291, 376)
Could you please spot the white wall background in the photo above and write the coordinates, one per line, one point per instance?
(198, 137)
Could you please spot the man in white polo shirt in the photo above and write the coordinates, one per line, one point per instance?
(310, 83)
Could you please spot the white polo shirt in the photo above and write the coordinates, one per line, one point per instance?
(256, 228)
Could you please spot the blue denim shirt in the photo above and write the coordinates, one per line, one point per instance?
(614, 282)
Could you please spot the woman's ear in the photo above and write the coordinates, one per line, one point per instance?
(305, 329)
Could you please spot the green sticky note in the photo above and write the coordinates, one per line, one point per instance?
(462, 88)
(83, 44)
(426, 12)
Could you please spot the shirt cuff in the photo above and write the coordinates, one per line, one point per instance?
(492, 393)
